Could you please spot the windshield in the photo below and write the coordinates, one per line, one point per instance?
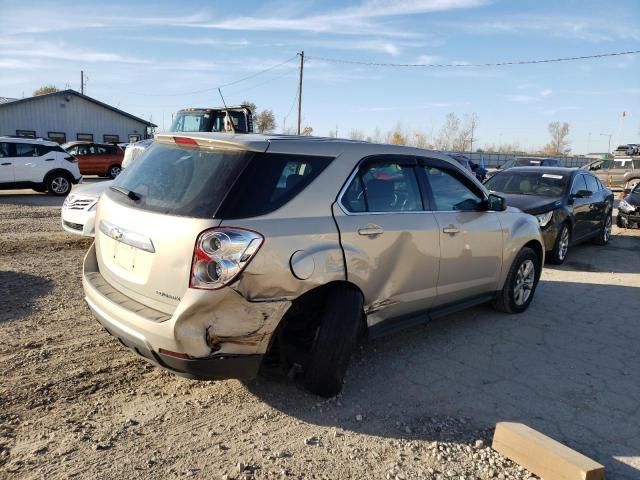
(525, 183)
(180, 181)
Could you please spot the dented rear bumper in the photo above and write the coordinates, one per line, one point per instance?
(221, 334)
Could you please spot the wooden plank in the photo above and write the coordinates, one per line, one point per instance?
(542, 455)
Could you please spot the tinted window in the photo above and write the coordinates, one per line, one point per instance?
(450, 193)
(83, 150)
(4, 149)
(526, 183)
(100, 150)
(269, 182)
(183, 181)
(26, 150)
(578, 184)
(592, 183)
(383, 186)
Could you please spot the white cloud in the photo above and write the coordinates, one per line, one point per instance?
(546, 92)
(523, 98)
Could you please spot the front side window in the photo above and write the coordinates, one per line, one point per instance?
(26, 150)
(578, 184)
(383, 186)
(450, 193)
(4, 149)
(83, 150)
(592, 183)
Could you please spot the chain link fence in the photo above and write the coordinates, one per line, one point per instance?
(493, 160)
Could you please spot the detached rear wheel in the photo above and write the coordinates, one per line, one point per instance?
(334, 341)
(520, 285)
(59, 184)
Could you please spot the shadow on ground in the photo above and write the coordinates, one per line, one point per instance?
(18, 293)
(567, 367)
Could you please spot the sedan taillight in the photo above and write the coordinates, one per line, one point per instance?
(221, 254)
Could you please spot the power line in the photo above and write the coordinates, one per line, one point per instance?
(496, 64)
(248, 77)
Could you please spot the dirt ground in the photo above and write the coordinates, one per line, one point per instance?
(420, 404)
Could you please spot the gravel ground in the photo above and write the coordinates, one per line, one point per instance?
(420, 404)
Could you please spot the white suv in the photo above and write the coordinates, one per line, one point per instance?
(38, 164)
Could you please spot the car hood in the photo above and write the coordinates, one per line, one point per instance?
(531, 203)
(633, 199)
(91, 189)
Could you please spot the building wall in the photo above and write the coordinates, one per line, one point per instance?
(69, 114)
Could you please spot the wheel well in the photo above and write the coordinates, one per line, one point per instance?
(538, 249)
(57, 171)
(295, 331)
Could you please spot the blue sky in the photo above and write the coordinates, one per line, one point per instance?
(144, 57)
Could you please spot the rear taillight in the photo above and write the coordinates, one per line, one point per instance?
(221, 254)
(71, 159)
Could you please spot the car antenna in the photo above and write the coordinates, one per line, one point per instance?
(228, 119)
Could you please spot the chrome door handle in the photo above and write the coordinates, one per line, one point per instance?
(451, 230)
(371, 230)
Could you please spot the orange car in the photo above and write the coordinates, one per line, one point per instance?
(96, 158)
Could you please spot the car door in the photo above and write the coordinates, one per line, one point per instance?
(6, 163)
(102, 159)
(29, 164)
(598, 204)
(581, 208)
(390, 242)
(618, 172)
(470, 235)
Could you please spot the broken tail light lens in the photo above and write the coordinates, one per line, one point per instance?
(221, 254)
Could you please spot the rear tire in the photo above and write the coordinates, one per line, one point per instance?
(605, 234)
(520, 285)
(561, 246)
(59, 184)
(114, 171)
(620, 223)
(631, 184)
(334, 341)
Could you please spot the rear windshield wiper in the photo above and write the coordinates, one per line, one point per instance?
(129, 193)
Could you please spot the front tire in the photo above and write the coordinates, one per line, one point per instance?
(605, 234)
(561, 246)
(59, 184)
(520, 285)
(334, 341)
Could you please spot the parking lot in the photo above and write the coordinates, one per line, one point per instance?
(73, 402)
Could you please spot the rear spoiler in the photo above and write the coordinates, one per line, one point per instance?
(219, 142)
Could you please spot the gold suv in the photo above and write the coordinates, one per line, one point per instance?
(216, 254)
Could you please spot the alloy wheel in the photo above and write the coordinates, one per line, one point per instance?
(563, 243)
(114, 171)
(60, 185)
(525, 279)
(606, 234)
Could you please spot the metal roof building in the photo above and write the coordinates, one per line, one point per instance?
(68, 115)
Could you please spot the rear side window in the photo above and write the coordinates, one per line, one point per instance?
(4, 149)
(578, 184)
(26, 150)
(269, 182)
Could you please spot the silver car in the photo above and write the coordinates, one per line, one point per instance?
(216, 255)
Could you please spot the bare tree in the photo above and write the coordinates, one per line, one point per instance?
(265, 121)
(420, 140)
(356, 134)
(559, 144)
(448, 133)
(46, 89)
(307, 131)
(397, 138)
(252, 106)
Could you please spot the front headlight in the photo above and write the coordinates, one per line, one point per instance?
(544, 218)
(625, 207)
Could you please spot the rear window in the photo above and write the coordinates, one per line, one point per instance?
(269, 182)
(215, 183)
(180, 181)
(528, 183)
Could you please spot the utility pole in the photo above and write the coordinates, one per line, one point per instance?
(472, 127)
(300, 92)
(608, 135)
(82, 82)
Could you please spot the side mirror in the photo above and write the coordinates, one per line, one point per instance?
(496, 203)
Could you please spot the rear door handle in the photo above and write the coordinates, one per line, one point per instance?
(371, 230)
(451, 230)
(49, 159)
(6, 163)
